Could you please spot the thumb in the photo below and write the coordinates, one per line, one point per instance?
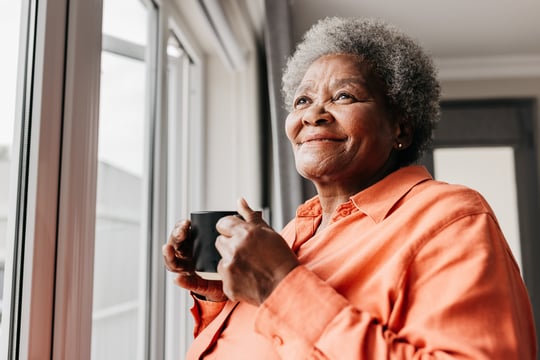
(249, 215)
(211, 289)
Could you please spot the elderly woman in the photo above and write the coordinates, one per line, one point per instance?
(385, 262)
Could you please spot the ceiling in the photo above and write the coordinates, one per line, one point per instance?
(469, 39)
(447, 29)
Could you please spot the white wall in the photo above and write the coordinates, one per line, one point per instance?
(231, 106)
(232, 128)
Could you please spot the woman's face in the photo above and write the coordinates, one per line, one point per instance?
(339, 128)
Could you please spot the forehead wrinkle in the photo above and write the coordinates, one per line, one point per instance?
(305, 86)
(353, 80)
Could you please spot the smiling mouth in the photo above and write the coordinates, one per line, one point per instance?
(319, 141)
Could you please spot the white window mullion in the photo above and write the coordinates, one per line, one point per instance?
(176, 325)
(76, 224)
(186, 168)
(152, 331)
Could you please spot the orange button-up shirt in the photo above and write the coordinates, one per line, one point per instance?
(409, 268)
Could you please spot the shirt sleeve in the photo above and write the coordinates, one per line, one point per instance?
(461, 297)
(204, 312)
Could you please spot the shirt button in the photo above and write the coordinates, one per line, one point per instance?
(277, 340)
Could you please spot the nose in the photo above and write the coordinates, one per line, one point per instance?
(316, 115)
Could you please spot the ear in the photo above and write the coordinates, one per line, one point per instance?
(403, 135)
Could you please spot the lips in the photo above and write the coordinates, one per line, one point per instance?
(320, 138)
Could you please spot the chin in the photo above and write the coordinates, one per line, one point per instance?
(317, 173)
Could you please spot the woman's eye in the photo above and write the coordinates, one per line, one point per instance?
(301, 101)
(343, 96)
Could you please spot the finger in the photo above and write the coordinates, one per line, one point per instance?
(173, 262)
(180, 240)
(226, 224)
(168, 251)
(210, 289)
(223, 246)
(249, 215)
(169, 256)
(179, 233)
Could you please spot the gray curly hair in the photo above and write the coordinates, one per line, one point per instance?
(407, 73)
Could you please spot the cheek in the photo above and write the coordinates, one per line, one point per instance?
(367, 124)
(292, 126)
(356, 124)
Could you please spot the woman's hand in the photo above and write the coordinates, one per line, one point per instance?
(254, 257)
(177, 253)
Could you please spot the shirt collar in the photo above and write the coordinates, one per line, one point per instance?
(377, 200)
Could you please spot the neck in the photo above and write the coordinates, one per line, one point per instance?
(333, 194)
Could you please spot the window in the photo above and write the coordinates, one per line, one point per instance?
(33, 233)
(144, 142)
(121, 239)
(93, 194)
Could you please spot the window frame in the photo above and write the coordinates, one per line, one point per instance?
(149, 299)
(77, 194)
(188, 184)
(59, 94)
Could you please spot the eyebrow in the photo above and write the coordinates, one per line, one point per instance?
(350, 80)
(354, 80)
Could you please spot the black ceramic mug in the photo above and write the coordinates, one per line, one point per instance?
(204, 233)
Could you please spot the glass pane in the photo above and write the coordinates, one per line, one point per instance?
(491, 171)
(125, 19)
(10, 17)
(122, 112)
(120, 247)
